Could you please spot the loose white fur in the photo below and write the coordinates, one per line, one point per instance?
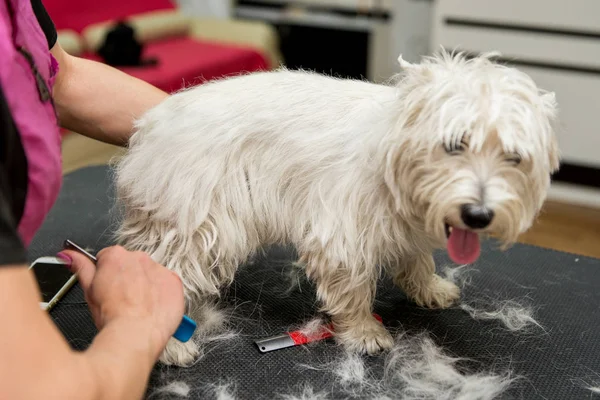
(351, 371)
(224, 391)
(515, 315)
(212, 331)
(306, 392)
(425, 372)
(591, 383)
(313, 327)
(177, 388)
(415, 368)
(357, 176)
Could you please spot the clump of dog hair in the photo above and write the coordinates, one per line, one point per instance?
(312, 327)
(514, 315)
(594, 389)
(353, 376)
(306, 393)
(176, 388)
(315, 328)
(457, 275)
(415, 369)
(351, 371)
(221, 391)
(592, 384)
(213, 318)
(213, 329)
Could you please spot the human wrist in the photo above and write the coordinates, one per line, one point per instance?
(139, 335)
(90, 376)
(122, 357)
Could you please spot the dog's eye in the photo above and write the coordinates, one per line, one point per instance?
(514, 159)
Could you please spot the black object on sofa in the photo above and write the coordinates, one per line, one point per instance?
(565, 289)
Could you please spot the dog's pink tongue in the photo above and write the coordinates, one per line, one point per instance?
(463, 246)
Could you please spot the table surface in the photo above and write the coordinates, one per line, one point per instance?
(556, 363)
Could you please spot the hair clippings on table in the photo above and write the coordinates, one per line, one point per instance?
(186, 328)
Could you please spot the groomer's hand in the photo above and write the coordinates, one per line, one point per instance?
(130, 286)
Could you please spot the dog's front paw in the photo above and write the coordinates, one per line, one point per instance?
(437, 293)
(370, 338)
(180, 354)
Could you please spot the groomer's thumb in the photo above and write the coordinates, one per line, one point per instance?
(80, 265)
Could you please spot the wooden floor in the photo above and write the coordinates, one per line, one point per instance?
(567, 228)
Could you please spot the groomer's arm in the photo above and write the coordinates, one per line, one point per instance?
(99, 101)
(137, 305)
(35, 360)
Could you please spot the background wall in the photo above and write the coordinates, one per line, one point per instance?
(212, 8)
(410, 29)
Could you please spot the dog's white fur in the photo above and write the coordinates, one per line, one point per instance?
(354, 174)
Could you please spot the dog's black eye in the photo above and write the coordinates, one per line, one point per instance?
(514, 159)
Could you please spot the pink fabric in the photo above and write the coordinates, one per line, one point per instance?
(78, 14)
(34, 117)
(185, 61)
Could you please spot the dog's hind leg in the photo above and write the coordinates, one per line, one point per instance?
(417, 278)
(349, 301)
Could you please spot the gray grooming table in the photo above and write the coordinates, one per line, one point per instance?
(564, 288)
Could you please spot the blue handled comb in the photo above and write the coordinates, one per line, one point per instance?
(186, 328)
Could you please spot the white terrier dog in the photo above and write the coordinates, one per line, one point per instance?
(358, 176)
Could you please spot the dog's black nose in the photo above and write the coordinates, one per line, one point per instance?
(476, 216)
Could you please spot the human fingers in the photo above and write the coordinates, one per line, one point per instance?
(83, 267)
